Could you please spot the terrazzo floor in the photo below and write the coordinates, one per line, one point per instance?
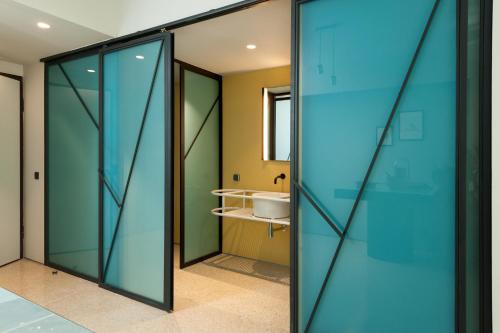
(223, 294)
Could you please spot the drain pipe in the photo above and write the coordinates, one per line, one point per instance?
(271, 230)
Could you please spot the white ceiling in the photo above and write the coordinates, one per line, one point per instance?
(101, 15)
(219, 45)
(21, 41)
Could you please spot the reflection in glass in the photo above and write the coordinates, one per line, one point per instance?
(276, 123)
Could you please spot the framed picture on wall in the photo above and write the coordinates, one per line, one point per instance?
(411, 125)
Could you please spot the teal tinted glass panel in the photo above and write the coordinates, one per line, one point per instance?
(73, 164)
(317, 245)
(134, 229)
(395, 269)
(84, 73)
(472, 220)
(201, 165)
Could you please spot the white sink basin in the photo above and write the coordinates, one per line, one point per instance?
(271, 205)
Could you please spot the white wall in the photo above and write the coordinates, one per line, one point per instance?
(11, 68)
(34, 161)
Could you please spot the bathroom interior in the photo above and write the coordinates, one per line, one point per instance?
(232, 152)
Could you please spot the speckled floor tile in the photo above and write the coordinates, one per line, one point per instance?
(208, 298)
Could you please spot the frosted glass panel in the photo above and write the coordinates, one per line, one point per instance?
(72, 172)
(134, 167)
(317, 244)
(394, 270)
(201, 165)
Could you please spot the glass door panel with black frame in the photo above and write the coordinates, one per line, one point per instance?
(72, 163)
(376, 166)
(137, 176)
(200, 94)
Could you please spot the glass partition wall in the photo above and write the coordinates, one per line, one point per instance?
(387, 163)
(109, 168)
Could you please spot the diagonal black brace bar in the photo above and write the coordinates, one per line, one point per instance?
(79, 97)
(372, 163)
(110, 189)
(201, 127)
(324, 215)
(134, 158)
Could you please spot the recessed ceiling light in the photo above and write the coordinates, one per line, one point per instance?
(43, 25)
(91, 70)
(251, 46)
(140, 57)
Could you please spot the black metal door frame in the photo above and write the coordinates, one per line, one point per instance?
(183, 66)
(167, 49)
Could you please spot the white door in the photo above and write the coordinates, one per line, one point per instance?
(10, 170)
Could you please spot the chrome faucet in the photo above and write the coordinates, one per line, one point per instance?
(280, 176)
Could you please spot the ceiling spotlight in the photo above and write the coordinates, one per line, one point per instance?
(251, 46)
(43, 25)
(140, 57)
(91, 70)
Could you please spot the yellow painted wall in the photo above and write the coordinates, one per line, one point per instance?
(242, 153)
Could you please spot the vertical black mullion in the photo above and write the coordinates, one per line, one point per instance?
(485, 165)
(461, 153)
(101, 168)
(168, 274)
(294, 124)
(182, 164)
(21, 167)
(220, 160)
(46, 165)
